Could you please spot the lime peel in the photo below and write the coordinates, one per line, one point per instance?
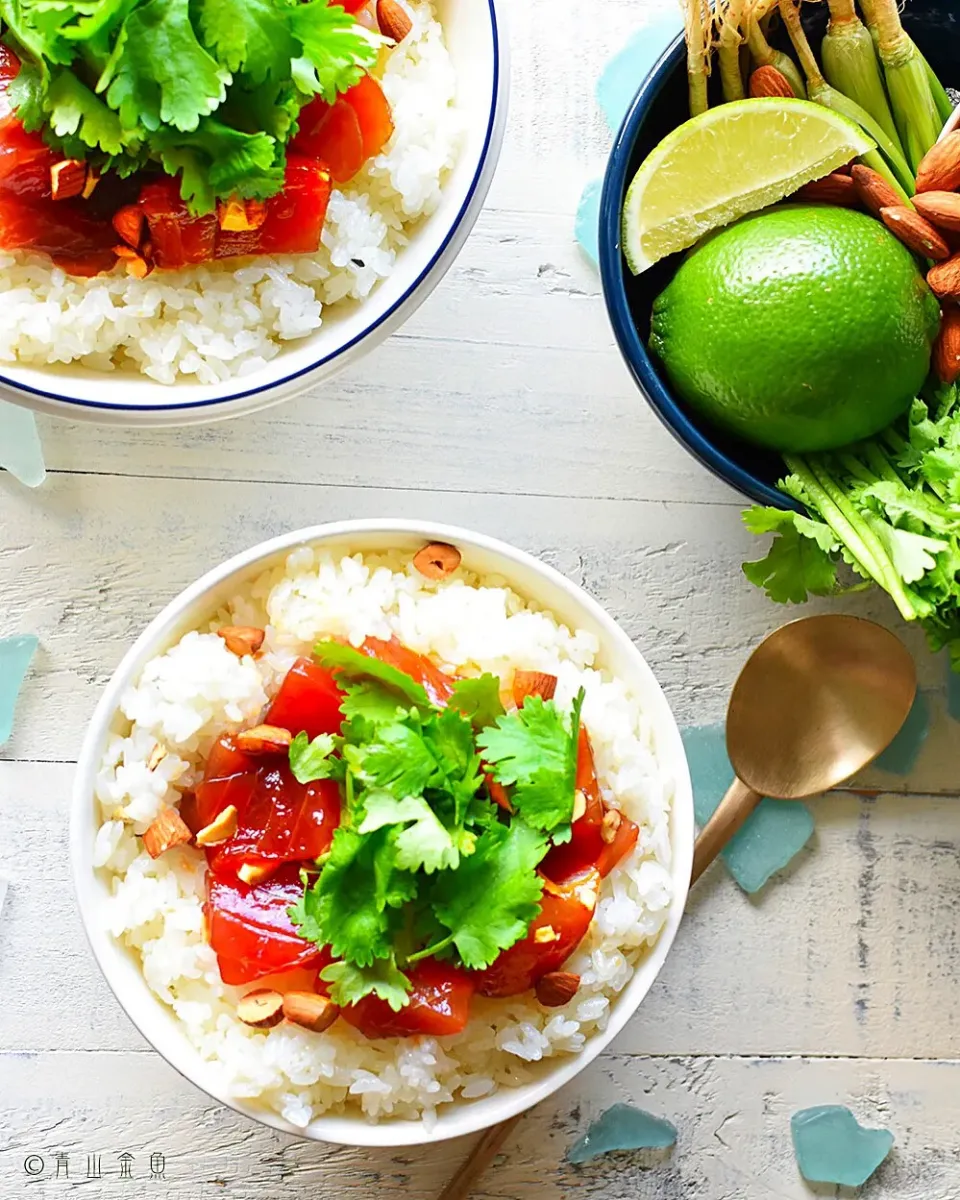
(761, 142)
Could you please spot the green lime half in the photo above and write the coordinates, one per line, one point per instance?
(726, 163)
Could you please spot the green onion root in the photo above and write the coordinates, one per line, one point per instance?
(698, 24)
(729, 38)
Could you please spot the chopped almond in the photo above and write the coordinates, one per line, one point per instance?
(533, 683)
(68, 178)
(262, 1009)
(546, 934)
(264, 739)
(242, 640)
(579, 804)
(135, 265)
(129, 222)
(310, 1010)
(612, 821)
(254, 873)
(93, 178)
(241, 216)
(167, 831)
(220, 830)
(438, 560)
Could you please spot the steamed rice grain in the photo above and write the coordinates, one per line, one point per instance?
(185, 698)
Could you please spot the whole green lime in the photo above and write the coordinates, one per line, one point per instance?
(801, 328)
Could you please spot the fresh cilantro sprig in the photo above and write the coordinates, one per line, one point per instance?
(210, 89)
(424, 863)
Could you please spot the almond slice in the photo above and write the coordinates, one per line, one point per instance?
(262, 1009)
(93, 178)
(545, 934)
(533, 683)
(254, 873)
(393, 20)
(264, 739)
(557, 988)
(437, 561)
(220, 830)
(579, 804)
(242, 640)
(310, 1010)
(241, 216)
(68, 178)
(167, 831)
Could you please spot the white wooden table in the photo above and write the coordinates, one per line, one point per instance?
(503, 406)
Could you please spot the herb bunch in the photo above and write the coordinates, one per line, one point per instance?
(209, 89)
(424, 863)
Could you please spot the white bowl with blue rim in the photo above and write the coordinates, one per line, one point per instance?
(476, 40)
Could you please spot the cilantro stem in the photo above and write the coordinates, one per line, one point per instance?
(429, 951)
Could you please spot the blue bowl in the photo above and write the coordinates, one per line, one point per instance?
(659, 107)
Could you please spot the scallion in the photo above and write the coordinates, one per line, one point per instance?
(850, 64)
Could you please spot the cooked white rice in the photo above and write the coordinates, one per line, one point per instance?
(185, 698)
(213, 322)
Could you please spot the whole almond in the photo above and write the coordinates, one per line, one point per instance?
(940, 208)
(944, 279)
(437, 561)
(557, 988)
(874, 191)
(940, 169)
(915, 232)
(394, 21)
(262, 1009)
(264, 739)
(946, 350)
(242, 640)
(310, 1010)
(768, 81)
(167, 831)
(832, 189)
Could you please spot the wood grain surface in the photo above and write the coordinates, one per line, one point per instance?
(503, 405)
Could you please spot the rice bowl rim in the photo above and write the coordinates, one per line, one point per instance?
(233, 399)
(157, 1022)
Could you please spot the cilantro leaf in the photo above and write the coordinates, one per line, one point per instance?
(425, 844)
(800, 562)
(336, 50)
(535, 748)
(354, 664)
(399, 761)
(367, 704)
(479, 699)
(349, 984)
(250, 34)
(310, 761)
(489, 903)
(74, 110)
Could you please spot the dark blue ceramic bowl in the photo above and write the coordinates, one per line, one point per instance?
(659, 107)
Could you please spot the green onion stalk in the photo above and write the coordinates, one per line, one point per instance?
(729, 40)
(888, 160)
(851, 65)
(697, 22)
(907, 73)
(763, 54)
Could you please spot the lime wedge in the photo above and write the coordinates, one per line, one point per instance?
(727, 162)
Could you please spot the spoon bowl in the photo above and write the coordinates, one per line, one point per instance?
(817, 701)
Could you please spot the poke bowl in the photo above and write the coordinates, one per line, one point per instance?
(367, 1011)
(165, 298)
(660, 106)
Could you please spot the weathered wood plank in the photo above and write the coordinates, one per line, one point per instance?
(733, 1118)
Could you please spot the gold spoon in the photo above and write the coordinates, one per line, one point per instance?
(816, 702)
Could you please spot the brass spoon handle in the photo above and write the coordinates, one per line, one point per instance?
(735, 807)
(483, 1153)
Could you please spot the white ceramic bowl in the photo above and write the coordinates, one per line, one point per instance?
(530, 578)
(476, 39)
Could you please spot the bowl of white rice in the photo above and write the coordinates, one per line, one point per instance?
(214, 341)
(180, 687)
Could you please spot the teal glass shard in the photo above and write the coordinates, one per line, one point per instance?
(832, 1147)
(15, 656)
(20, 451)
(900, 757)
(625, 72)
(770, 838)
(623, 1127)
(587, 225)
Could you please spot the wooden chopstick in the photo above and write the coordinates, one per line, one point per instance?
(479, 1158)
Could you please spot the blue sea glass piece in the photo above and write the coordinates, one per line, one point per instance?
(953, 694)
(587, 226)
(832, 1147)
(20, 451)
(15, 656)
(625, 72)
(900, 757)
(623, 1127)
(770, 838)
